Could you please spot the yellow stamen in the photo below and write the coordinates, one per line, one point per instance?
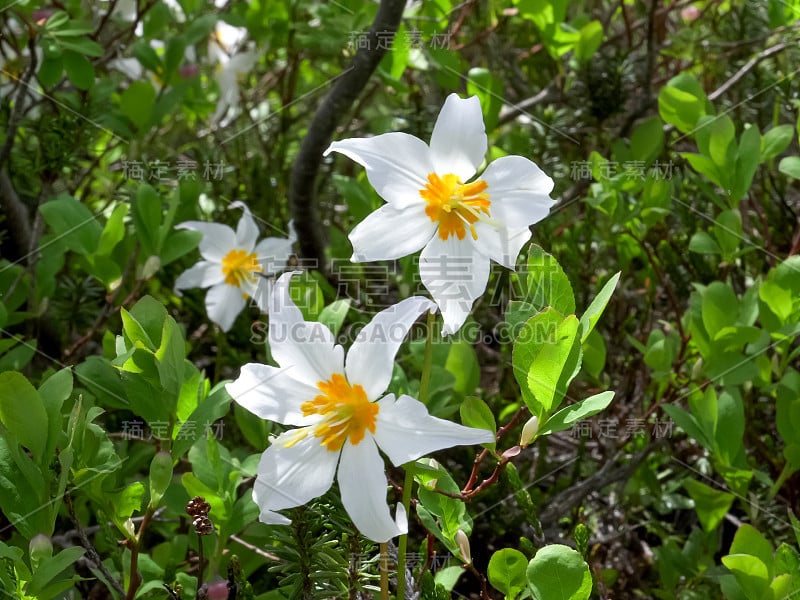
(455, 205)
(347, 411)
(239, 266)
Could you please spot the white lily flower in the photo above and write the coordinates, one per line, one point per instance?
(235, 266)
(432, 205)
(232, 63)
(342, 412)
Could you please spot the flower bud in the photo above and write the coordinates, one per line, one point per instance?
(40, 548)
(529, 431)
(463, 547)
(160, 476)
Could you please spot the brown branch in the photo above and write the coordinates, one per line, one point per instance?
(320, 133)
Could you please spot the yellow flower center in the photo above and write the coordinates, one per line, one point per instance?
(239, 266)
(455, 205)
(347, 412)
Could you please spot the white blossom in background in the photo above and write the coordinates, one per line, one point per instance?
(342, 414)
(434, 203)
(232, 60)
(235, 266)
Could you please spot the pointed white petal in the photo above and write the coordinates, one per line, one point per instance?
(397, 164)
(362, 483)
(405, 431)
(262, 293)
(289, 477)
(223, 304)
(271, 518)
(389, 233)
(456, 275)
(308, 348)
(246, 230)
(500, 244)
(269, 393)
(370, 360)
(204, 274)
(273, 253)
(459, 142)
(217, 240)
(519, 191)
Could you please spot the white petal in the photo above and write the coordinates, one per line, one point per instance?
(217, 240)
(370, 360)
(405, 431)
(246, 230)
(308, 348)
(459, 142)
(273, 253)
(204, 274)
(519, 191)
(362, 483)
(269, 393)
(389, 233)
(271, 518)
(289, 477)
(456, 275)
(262, 293)
(397, 164)
(500, 244)
(223, 304)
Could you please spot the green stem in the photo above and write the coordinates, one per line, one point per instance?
(384, 569)
(408, 481)
(785, 474)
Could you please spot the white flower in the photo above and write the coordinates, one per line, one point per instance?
(231, 64)
(235, 267)
(432, 205)
(342, 412)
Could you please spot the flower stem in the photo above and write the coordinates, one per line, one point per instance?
(384, 569)
(408, 481)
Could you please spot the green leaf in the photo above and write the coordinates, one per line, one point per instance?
(51, 70)
(462, 362)
(790, 166)
(682, 102)
(751, 574)
(721, 141)
(170, 357)
(546, 283)
(554, 366)
(476, 413)
(720, 307)
(591, 36)
(114, 231)
(728, 231)
(566, 417)
(710, 504)
(507, 572)
(79, 70)
(748, 540)
(50, 568)
(689, 424)
(23, 413)
(333, 315)
(748, 158)
(73, 223)
(147, 214)
(598, 305)
(703, 243)
(81, 46)
(214, 407)
(489, 90)
(150, 314)
(647, 140)
(137, 102)
(124, 503)
(775, 141)
(178, 244)
(558, 572)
